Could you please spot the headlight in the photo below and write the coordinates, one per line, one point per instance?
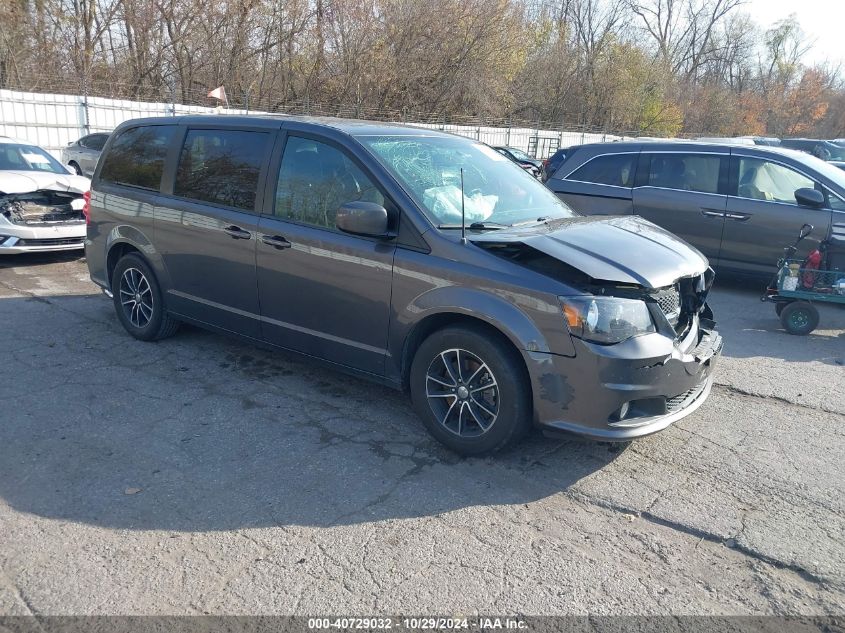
(606, 319)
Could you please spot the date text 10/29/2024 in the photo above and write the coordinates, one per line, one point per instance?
(417, 623)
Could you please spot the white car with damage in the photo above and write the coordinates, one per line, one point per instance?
(41, 203)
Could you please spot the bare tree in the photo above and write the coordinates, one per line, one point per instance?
(656, 66)
(683, 30)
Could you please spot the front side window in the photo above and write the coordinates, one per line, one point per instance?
(763, 180)
(495, 190)
(136, 157)
(14, 156)
(315, 179)
(686, 172)
(221, 167)
(611, 169)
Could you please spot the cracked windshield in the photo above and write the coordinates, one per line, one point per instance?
(497, 192)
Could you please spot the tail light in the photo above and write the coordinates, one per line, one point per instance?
(86, 208)
(545, 162)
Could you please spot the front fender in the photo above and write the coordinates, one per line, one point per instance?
(529, 322)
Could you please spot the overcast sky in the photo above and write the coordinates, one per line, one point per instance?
(822, 21)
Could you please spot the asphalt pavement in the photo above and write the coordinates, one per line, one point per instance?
(203, 475)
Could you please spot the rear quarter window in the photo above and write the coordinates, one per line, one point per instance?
(136, 157)
(610, 169)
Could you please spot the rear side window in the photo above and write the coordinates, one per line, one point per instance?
(221, 166)
(686, 172)
(611, 169)
(136, 158)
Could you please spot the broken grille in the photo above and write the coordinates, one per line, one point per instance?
(669, 300)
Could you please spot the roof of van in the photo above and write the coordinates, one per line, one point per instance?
(353, 127)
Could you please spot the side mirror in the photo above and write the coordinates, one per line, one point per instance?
(805, 231)
(807, 197)
(362, 218)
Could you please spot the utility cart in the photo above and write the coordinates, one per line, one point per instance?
(799, 283)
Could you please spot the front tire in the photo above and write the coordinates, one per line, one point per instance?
(470, 387)
(799, 318)
(138, 300)
(72, 164)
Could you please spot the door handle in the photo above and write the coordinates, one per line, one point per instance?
(276, 241)
(237, 233)
(739, 217)
(713, 213)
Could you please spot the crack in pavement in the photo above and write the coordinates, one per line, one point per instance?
(751, 394)
(735, 545)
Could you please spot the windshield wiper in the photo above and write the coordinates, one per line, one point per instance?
(476, 226)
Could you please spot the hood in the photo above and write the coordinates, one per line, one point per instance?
(28, 181)
(622, 249)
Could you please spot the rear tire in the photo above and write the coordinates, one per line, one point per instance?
(470, 387)
(799, 318)
(138, 300)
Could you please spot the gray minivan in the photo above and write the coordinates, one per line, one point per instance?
(738, 205)
(343, 241)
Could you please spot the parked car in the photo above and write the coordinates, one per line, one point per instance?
(826, 150)
(737, 205)
(41, 203)
(551, 164)
(342, 241)
(82, 155)
(531, 165)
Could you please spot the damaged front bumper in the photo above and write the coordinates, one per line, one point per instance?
(41, 221)
(15, 239)
(627, 390)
